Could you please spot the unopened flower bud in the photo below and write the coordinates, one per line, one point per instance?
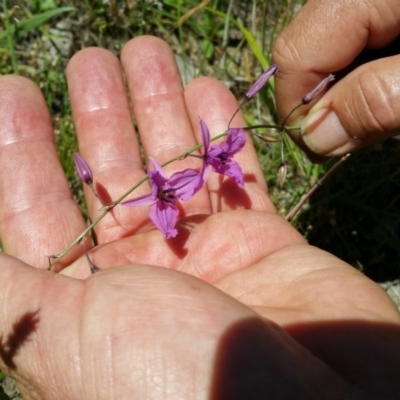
(282, 173)
(318, 89)
(93, 268)
(83, 169)
(261, 81)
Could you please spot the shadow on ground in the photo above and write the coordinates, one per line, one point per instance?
(358, 218)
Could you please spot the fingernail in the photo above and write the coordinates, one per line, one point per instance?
(323, 132)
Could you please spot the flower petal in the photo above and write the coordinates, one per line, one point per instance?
(157, 167)
(234, 143)
(144, 200)
(164, 216)
(205, 136)
(236, 140)
(232, 170)
(186, 183)
(157, 177)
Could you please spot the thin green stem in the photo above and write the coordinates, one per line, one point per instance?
(291, 112)
(318, 184)
(249, 128)
(289, 128)
(236, 111)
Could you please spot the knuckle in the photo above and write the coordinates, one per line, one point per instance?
(284, 50)
(379, 102)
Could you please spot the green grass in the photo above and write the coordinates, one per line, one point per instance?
(232, 43)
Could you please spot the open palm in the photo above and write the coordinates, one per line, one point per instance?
(237, 306)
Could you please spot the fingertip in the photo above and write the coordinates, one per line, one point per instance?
(143, 43)
(95, 82)
(11, 81)
(86, 56)
(150, 67)
(23, 111)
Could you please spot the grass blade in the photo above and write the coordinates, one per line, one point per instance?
(23, 27)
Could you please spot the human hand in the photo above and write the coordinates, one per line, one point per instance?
(328, 37)
(237, 306)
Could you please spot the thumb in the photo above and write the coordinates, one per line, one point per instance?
(361, 109)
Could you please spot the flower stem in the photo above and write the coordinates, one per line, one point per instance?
(289, 128)
(289, 115)
(319, 183)
(107, 208)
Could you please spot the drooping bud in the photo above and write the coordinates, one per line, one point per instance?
(83, 169)
(267, 137)
(310, 96)
(93, 268)
(261, 81)
(282, 174)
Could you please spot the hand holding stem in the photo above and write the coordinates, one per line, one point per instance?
(237, 274)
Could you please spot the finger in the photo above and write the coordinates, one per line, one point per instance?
(106, 137)
(325, 37)
(38, 216)
(215, 104)
(361, 109)
(159, 107)
(308, 277)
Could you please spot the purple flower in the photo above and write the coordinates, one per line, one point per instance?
(317, 90)
(219, 157)
(165, 192)
(261, 81)
(83, 169)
